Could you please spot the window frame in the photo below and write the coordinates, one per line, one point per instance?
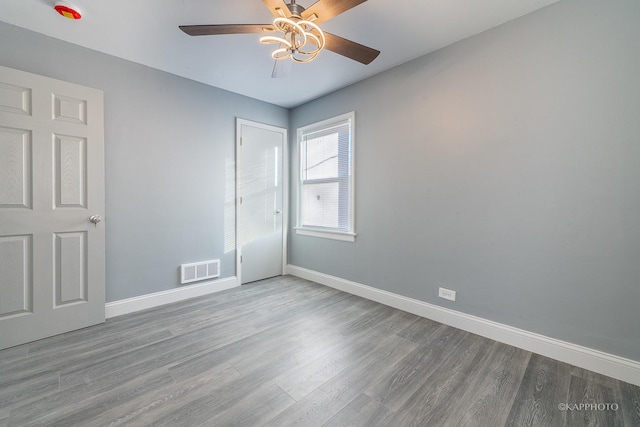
(328, 232)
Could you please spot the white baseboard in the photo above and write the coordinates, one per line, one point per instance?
(594, 360)
(130, 305)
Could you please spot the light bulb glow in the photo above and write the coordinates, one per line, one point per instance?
(275, 39)
(301, 40)
(281, 53)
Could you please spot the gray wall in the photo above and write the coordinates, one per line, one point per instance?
(505, 167)
(169, 155)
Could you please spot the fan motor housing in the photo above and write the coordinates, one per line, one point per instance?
(296, 10)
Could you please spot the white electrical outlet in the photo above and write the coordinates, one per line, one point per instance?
(447, 294)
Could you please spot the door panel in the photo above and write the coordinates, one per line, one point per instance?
(15, 264)
(15, 168)
(70, 169)
(51, 182)
(70, 267)
(69, 109)
(260, 188)
(15, 99)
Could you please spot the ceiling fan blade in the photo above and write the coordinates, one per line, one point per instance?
(350, 49)
(212, 30)
(276, 5)
(327, 9)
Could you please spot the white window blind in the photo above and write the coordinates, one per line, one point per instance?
(326, 175)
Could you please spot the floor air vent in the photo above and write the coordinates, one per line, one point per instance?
(199, 271)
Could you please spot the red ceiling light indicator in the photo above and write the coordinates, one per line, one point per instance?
(67, 10)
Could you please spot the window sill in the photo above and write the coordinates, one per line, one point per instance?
(343, 236)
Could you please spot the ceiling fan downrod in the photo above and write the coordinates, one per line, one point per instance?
(295, 9)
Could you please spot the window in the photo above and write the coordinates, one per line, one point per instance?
(325, 186)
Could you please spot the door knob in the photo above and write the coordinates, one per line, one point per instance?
(95, 219)
(278, 211)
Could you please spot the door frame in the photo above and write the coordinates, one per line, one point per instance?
(285, 189)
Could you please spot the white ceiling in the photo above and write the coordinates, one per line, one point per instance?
(146, 32)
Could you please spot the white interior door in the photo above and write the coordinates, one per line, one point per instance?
(52, 269)
(261, 210)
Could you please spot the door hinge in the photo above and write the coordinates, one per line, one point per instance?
(240, 200)
(240, 140)
(241, 259)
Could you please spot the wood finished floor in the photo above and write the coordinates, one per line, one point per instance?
(284, 352)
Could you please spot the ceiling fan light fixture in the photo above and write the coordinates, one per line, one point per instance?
(295, 31)
(281, 53)
(275, 39)
(297, 35)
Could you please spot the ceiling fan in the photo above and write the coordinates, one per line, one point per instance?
(300, 38)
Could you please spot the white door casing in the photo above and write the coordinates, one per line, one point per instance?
(52, 266)
(261, 165)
